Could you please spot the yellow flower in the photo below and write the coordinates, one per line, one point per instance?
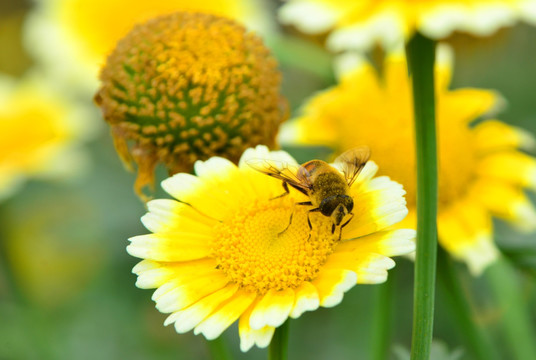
(360, 24)
(188, 86)
(51, 263)
(73, 37)
(480, 171)
(219, 254)
(38, 133)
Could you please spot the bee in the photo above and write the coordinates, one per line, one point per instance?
(327, 188)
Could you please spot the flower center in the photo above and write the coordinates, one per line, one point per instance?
(253, 248)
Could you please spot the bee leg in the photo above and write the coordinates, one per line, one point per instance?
(308, 214)
(285, 186)
(289, 222)
(308, 218)
(346, 223)
(291, 215)
(333, 228)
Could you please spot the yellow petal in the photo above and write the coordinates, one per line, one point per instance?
(177, 294)
(170, 246)
(465, 231)
(370, 268)
(273, 309)
(249, 336)
(513, 167)
(494, 135)
(223, 181)
(306, 300)
(388, 242)
(167, 215)
(217, 322)
(196, 192)
(467, 104)
(185, 320)
(378, 204)
(507, 202)
(152, 274)
(331, 285)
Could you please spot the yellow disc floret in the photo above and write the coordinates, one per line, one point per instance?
(188, 86)
(257, 250)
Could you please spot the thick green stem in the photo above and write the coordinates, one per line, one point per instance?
(515, 316)
(421, 58)
(477, 340)
(381, 329)
(278, 346)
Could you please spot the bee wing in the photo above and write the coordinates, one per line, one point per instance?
(351, 162)
(282, 171)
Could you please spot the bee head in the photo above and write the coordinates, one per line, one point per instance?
(337, 207)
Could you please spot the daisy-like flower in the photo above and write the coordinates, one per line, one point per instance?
(72, 37)
(219, 254)
(481, 172)
(39, 133)
(360, 24)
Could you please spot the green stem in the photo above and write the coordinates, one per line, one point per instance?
(278, 346)
(218, 349)
(477, 340)
(381, 328)
(516, 323)
(421, 58)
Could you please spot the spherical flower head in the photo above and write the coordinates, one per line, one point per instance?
(220, 252)
(39, 133)
(481, 172)
(188, 86)
(361, 24)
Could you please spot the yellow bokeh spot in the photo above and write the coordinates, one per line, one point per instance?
(99, 24)
(254, 250)
(31, 129)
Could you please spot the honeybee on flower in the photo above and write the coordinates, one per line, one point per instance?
(326, 186)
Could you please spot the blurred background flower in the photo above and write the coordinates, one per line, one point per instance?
(480, 172)
(359, 25)
(40, 133)
(71, 38)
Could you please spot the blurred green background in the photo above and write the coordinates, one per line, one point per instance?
(66, 288)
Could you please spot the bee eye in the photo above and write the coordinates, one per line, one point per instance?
(350, 204)
(328, 205)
